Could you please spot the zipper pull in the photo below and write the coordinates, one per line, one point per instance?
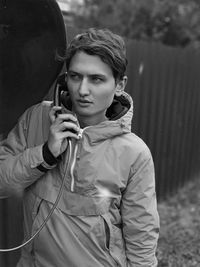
(80, 134)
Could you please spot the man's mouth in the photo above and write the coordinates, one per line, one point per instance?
(84, 102)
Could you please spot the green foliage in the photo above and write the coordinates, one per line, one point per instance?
(179, 241)
(172, 22)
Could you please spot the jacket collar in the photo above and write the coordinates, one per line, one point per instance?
(120, 115)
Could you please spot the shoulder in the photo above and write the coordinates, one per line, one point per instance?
(135, 145)
(36, 123)
(131, 151)
(41, 107)
(35, 112)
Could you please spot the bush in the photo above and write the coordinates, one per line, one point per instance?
(179, 241)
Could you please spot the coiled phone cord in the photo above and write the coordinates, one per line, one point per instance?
(50, 213)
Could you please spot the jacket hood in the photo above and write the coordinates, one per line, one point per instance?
(120, 114)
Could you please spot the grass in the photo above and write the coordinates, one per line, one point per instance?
(179, 241)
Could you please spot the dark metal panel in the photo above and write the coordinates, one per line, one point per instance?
(164, 84)
(31, 34)
(2, 233)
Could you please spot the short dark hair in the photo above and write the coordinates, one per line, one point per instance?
(109, 46)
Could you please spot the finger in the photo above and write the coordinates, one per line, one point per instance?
(68, 126)
(67, 117)
(53, 112)
(68, 134)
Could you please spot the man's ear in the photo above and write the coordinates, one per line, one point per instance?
(121, 84)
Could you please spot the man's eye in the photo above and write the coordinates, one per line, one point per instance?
(74, 76)
(97, 79)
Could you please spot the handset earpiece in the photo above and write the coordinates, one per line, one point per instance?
(60, 90)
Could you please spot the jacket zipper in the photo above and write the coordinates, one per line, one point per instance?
(74, 158)
(72, 168)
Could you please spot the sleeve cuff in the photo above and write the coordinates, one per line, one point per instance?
(48, 156)
(49, 160)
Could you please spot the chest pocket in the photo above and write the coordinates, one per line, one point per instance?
(81, 205)
(99, 167)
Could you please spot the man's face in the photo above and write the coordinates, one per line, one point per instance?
(91, 86)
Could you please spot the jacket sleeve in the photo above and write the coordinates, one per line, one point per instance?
(18, 163)
(139, 213)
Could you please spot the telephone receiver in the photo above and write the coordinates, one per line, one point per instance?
(60, 90)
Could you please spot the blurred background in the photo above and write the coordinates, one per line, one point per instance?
(163, 48)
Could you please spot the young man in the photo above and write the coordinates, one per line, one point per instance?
(107, 214)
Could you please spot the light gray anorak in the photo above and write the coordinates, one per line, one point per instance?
(107, 215)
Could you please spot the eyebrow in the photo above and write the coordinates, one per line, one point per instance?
(100, 75)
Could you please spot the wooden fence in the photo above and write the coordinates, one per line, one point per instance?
(165, 85)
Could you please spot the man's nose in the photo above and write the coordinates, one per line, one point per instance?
(84, 87)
